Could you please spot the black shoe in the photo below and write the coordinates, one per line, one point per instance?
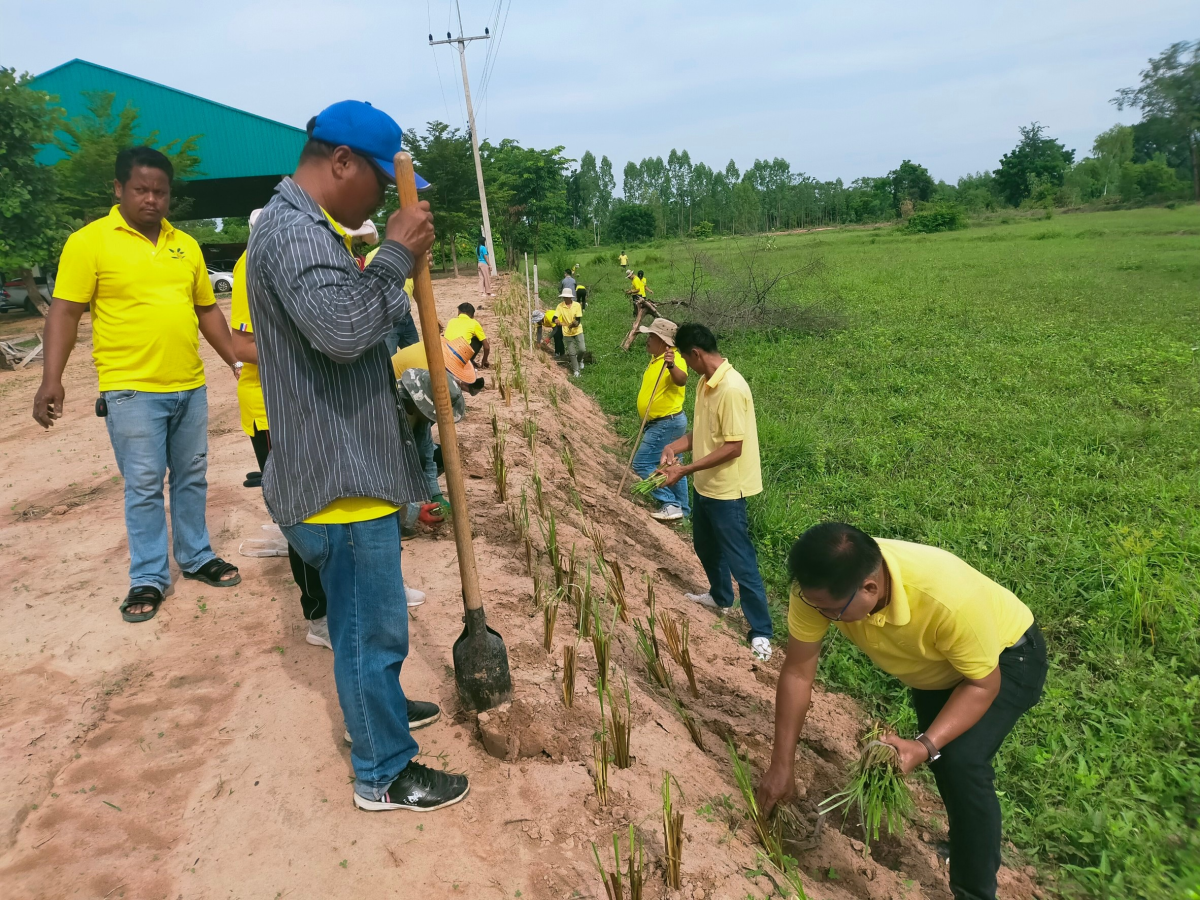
(422, 714)
(418, 788)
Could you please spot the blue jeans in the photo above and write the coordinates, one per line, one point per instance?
(152, 434)
(657, 435)
(403, 334)
(423, 435)
(368, 626)
(721, 536)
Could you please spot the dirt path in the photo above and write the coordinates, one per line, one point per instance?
(201, 755)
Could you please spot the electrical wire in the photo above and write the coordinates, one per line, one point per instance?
(437, 68)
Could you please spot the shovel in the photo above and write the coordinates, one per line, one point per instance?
(480, 658)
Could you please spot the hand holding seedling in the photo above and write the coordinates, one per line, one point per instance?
(778, 785)
(911, 753)
(672, 473)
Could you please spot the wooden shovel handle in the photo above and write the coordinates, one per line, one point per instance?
(406, 187)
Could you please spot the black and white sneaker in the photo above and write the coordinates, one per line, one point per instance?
(418, 788)
(420, 715)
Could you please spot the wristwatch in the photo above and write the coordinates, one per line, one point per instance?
(934, 753)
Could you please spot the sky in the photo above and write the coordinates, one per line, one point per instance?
(840, 90)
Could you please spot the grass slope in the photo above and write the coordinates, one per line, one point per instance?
(1025, 394)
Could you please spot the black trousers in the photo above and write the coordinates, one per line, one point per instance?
(308, 579)
(559, 349)
(964, 773)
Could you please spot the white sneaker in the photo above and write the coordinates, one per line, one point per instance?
(669, 513)
(414, 597)
(318, 633)
(761, 648)
(704, 599)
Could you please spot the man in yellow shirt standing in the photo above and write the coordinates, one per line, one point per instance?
(570, 318)
(622, 260)
(660, 403)
(725, 470)
(467, 327)
(969, 651)
(343, 460)
(150, 297)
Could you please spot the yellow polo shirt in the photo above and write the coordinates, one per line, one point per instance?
(639, 286)
(463, 326)
(145, 335)
(668, 397)
(725, 412)
(623, 259)
(249, 389)
(570, 314)
(345, 510)
(945, 622)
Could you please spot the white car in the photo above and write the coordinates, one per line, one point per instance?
(222, 281)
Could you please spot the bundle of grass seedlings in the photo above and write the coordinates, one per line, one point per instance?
(646, 485)
(876, 788)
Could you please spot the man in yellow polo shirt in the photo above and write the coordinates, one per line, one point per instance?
(725, 470)
(570, 318)
(467, 327)
(969, 651)
(150, 297)
(660, 403)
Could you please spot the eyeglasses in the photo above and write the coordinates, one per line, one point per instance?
(825, 612)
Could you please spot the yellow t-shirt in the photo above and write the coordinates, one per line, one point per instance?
(570, 314)
(623, 259)
(668, 396)
(463, 326)
(945, 622)
(639, 286)
(145, 335)
(410, 357)
(550, 319)
(345, 510)
(249, 389)
(725, 412)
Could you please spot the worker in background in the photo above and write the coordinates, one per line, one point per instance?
(485, 272)
(970, 653)
(547, 320)
(319, 328)
(467, 327)
(568, 282)
(639, 288)
(660, 404)
(622, 260)
(725, 471)
(150, 299)
(570, 318)
(415, 390)
(581, 295)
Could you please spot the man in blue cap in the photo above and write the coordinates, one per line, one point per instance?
(343, 462)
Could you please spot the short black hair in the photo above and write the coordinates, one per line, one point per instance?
(694, 336)
(641, 274)
(833, 557)
(147, 157)
(567, 272)
(314, 148)
(467, 308)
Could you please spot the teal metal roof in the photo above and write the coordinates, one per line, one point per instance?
(233, 143)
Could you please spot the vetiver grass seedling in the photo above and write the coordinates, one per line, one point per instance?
(600, 759)
(672, 837)
(675, 631)
(529, 428)
(537, 492)
(622, 727)
(768, 830)
(644, 487)
(569, 461)
(689, 722)
(613, 886)
(647, 644)
(876, 789)
(601, 645)
(549, 616)
(570, 659)
(500, 467)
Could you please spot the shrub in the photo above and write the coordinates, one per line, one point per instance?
(933, 217)
(702, 230)
(632, 222)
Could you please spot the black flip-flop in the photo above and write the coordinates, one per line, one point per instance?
(143, 593)
(210, 573)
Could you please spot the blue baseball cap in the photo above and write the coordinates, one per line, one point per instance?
(364, 129)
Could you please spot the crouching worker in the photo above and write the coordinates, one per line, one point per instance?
(416, 399)
(343, 463)
(969, 651)
(467, 327)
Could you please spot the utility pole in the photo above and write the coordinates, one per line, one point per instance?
(462, 58)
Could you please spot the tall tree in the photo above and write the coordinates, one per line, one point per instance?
(32, 226)
(910, 181)
(534, 188)
(1112, 149)
(443, 157)
(91, 143)
(1036, 160)
(1170, 89)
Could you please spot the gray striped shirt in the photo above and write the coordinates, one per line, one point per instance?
(319, 323)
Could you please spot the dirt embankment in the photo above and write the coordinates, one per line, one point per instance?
(201, 755)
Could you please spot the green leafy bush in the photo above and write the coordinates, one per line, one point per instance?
(631, 223)
(702, 230)
(931, 217)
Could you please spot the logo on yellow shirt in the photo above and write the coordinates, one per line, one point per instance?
(177, 252)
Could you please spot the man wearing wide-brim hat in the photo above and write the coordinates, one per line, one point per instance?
(570, 317)
(660, 403)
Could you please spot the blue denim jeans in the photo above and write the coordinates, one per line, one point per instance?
(721, 536)
(423, 436)
(403, 334)
(657, 435)
(368, 626)
(153, 434)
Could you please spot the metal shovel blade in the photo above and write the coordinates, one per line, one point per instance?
(481, 665)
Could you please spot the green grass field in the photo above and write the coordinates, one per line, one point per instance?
(1025, 394)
